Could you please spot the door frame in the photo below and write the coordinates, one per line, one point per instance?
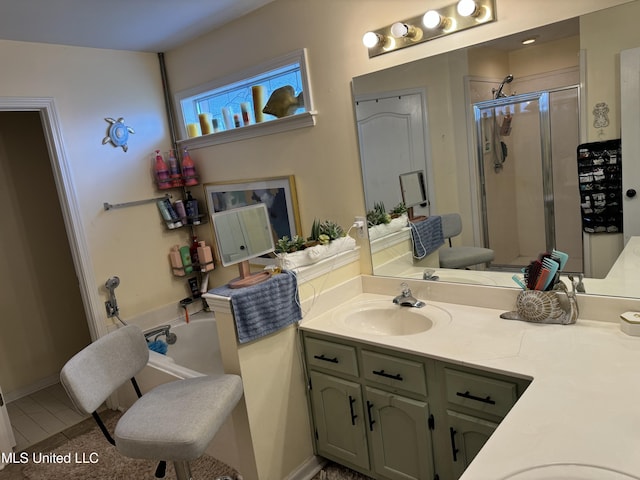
(425, 123)
(542, 97)
(69, 204)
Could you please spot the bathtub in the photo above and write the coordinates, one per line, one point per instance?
(196, 351)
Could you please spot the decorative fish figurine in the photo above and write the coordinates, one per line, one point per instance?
(283, 102)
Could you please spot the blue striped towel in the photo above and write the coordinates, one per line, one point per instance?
(265, 308)
(427, 236)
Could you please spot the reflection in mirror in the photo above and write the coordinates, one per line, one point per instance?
(510, 171)
(242, 234)
(413, 192)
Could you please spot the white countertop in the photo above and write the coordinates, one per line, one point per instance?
(582, 407)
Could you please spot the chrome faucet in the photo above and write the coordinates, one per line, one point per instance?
(158, 332)
(406, 299)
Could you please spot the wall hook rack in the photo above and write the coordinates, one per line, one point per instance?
(109, 206)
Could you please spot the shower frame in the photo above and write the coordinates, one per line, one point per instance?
(542, 99)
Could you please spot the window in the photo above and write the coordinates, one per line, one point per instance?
(231, 108)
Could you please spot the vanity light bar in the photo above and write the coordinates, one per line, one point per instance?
(424, 27)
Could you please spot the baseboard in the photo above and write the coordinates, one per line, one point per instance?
(29, 389)
(308, 469)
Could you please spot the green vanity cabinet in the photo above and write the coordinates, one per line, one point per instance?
(399, 435)
(467, 435)
(369, 407)
(339, 419)
(398, 416)
(475, 402)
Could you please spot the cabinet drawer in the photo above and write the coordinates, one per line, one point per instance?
(394, 371)
(331, 356)
(483, 394)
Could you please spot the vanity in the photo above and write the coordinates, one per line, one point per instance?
(465, 394)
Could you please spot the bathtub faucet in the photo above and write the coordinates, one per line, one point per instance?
(171, 338)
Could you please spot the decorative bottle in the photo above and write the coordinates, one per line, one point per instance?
(188, 169)
(162, 172)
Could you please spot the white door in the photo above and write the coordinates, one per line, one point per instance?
(393, 140)
(630, 126)
(7, 440)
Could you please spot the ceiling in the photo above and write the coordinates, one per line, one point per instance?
(140, 25)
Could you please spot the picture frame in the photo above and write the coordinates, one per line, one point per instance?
(278, 193)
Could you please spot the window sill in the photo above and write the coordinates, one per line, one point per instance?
(301, 120)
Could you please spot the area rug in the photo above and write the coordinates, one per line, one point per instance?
(89, 456)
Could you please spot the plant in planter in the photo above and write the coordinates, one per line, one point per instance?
(287, 245)
(378, 216)
(398, 210)
(327, 238)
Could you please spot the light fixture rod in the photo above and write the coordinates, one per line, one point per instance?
(458, 23)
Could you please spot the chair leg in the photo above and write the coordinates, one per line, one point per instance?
(183, 471)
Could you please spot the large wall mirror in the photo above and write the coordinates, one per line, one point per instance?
(495, 128)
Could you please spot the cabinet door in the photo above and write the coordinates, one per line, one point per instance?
(400, 437)
(468, 435)
(339, 419)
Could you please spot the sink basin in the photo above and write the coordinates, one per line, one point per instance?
(387, 318)
(569, 471)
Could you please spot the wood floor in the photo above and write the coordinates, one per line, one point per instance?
(41, 415)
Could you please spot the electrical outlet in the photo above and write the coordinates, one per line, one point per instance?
(361, 222)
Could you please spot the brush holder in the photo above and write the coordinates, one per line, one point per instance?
(555, 306)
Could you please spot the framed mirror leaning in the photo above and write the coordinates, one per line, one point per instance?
(502, 123)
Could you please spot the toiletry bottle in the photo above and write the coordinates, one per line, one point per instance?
(193, 213)
(166, 216)
(162, 172)
(175, 218)
(174, 170)
(178, 206)
(176, 261)
(205, 257)
(188, 169)
(193, 251)
(186, 259)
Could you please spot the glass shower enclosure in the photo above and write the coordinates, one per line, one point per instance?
(529, 194)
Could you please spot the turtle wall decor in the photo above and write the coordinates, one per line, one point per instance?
(118, 133)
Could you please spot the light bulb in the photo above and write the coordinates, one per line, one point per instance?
(399, 29)
(431, 19)
(467, 8)
(371, 39)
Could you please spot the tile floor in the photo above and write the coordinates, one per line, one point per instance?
(41, 415)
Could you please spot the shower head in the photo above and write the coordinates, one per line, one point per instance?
(498, 92)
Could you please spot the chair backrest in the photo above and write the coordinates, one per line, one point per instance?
(95, 372)
(451, 225)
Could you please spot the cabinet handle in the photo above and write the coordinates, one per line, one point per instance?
(353, 415)
(382, 373)
(454, 450)
(326, 359)
(371, 420)
(477, 399)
